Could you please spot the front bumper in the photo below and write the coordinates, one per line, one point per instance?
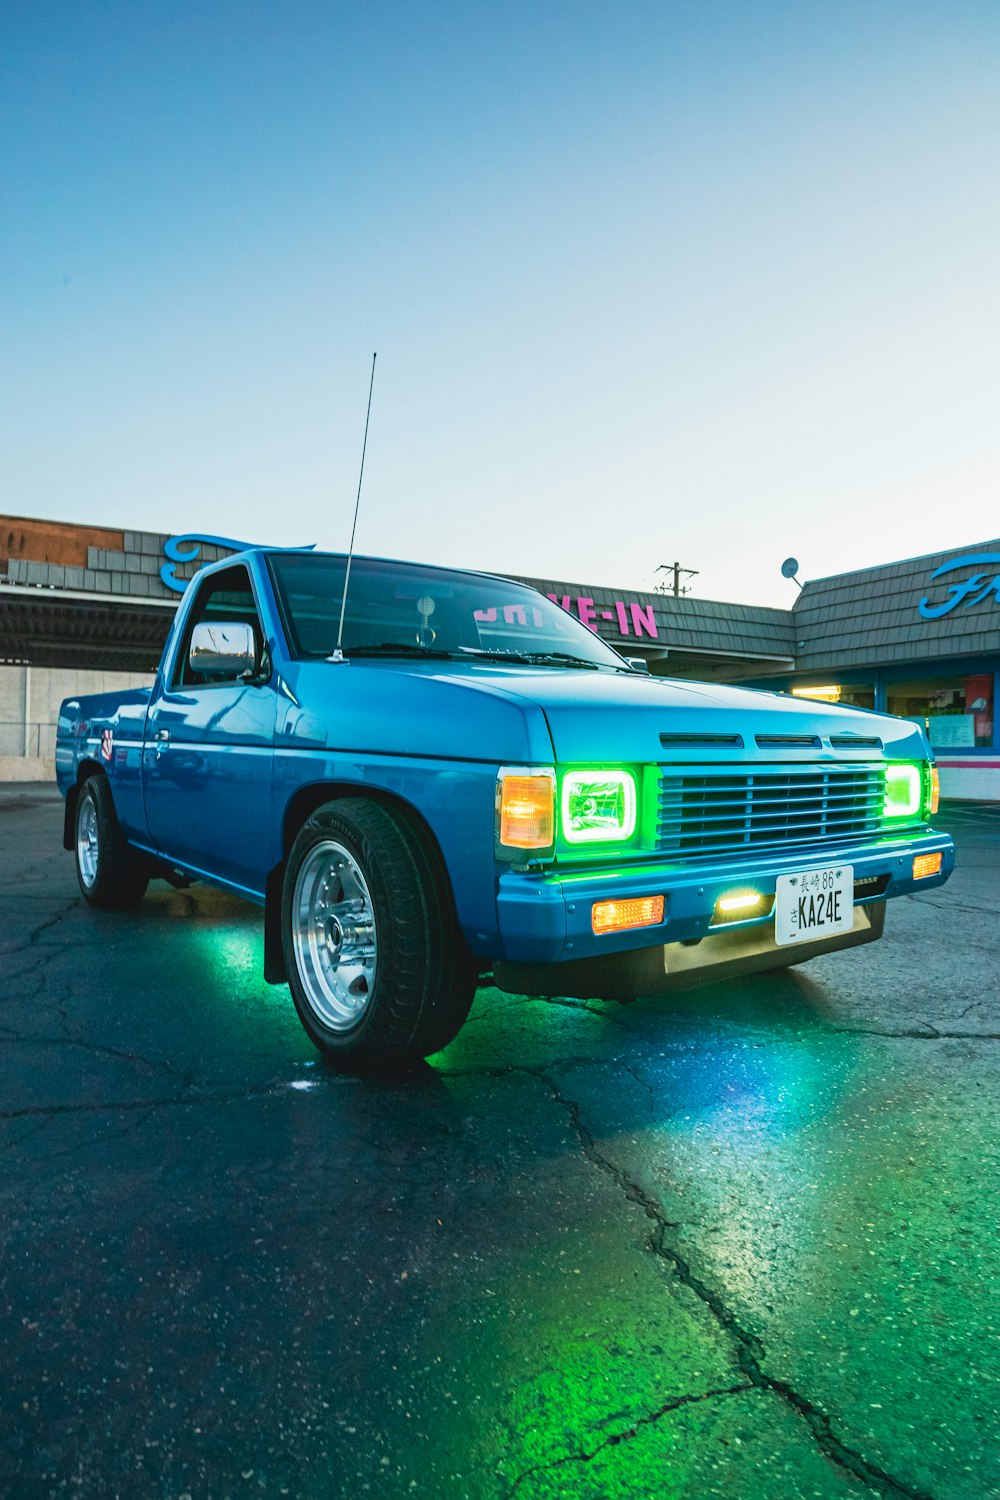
(680, 966)
(545, 918)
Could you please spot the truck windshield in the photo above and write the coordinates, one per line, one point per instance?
(407, 610)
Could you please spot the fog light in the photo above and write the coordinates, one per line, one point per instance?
(740, 906)
(618, 916)
(926, 864)
(739, 901)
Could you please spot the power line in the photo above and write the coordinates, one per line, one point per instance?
(672, 584)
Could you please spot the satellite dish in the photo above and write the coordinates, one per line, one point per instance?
(789, 567)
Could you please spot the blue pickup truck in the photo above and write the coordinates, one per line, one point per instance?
(477, 786)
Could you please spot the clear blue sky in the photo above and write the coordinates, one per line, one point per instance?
(705, 280)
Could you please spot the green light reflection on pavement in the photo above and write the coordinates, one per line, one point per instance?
(593, 1360)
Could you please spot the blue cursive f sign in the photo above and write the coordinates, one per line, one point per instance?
(175, 550)
(193, 541)
(970, 591)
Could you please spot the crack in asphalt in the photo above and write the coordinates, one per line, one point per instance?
(508, 1070)
(566, 1003)
(989, 911)
(674, 1403)
(932, 1034)
(750, 1352)
(156, 1065)
(31, 937)
(35, 964)
(30, 944)
(135, 1121)
(123, 1106)
(27, 1135)
(643, 1083)
(39, 992)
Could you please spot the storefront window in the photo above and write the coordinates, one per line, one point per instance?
(957, 712)
(849, 694)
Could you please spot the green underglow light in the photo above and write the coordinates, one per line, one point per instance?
(903, 791)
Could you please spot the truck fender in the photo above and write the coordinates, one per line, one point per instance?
(300, 808)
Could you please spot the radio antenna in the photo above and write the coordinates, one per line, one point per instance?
(338, 654)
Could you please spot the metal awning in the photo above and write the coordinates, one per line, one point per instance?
(49, 627)
(703, 664)
(58, 628)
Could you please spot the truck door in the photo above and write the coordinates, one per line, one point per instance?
(209, 746)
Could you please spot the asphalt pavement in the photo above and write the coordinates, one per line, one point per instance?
(741, 1242)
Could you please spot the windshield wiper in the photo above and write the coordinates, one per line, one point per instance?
(561, 658)
(478, 653)
(402, 648)
(538, 658)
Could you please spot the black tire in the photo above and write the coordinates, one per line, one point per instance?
(423, 977)
(111, 876)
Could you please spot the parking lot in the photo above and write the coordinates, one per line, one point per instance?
(742, 1242)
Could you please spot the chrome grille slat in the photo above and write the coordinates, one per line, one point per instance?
(764, 777)
(766, 799)
(766, 794)
(706, 812)
(846, 799)
(776, 820)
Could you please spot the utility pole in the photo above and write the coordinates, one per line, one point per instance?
(675, 588)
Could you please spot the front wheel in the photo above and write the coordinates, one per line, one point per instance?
(378, 969)
(111, 875)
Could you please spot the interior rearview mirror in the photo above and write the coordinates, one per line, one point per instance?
(228, 647)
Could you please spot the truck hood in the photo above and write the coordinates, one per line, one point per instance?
(599, 716)
(492, 711)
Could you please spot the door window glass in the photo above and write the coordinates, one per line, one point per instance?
(225, 597)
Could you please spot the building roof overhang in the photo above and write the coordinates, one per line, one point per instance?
(60, 628)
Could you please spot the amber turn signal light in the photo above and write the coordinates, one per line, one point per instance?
(527, 811)
(618, 916)
(935, 791)
(926, 864)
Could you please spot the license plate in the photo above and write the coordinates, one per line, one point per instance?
(814, 904)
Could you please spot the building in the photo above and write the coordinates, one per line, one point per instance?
(87, 608)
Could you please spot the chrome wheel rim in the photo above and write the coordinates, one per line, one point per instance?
(87, 852)
(333, 933)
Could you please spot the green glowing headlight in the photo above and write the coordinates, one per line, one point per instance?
(903, 791)
(598, 806)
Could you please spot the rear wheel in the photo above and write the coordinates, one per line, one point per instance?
(378, 968)
(111, 875)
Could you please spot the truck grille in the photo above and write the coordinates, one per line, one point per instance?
(724, 812)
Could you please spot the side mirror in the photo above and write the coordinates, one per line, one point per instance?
(638, 664)
(228, 648)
